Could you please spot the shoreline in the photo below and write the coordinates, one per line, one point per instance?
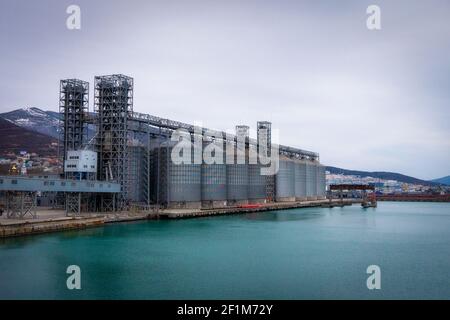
(58, 223)
(26, 227)
(414, 198)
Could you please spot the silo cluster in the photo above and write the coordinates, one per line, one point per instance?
(135, 150)
(300, 180)
(218, 185)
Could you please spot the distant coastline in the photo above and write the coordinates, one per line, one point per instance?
(415, 197)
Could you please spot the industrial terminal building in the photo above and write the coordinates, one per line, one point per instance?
(134, 150)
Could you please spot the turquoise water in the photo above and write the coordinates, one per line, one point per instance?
(313, 253)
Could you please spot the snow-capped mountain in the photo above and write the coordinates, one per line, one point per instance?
(35, 119)
(15, 139)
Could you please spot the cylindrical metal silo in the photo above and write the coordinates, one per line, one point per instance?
(237, 180)
(135, 173)
(323, 177)
(321, 182)
(184, 185)
(285, 180)
(256, 184)
(179, 184)
(214, 180)
(300, 180)
(311, 180)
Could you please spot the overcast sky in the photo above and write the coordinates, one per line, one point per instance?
(367, 100)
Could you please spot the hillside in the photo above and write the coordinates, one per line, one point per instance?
(14, 138)
(38, 120)
(381, 175)
(34, 119)
(443, 180)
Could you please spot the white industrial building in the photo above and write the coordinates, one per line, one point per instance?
(81, 161)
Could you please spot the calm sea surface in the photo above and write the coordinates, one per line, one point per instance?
(313, 253)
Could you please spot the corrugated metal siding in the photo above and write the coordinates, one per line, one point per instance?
(321, 180)
(256, 182)
(184, 182)
(285, 179)
(135, 173)
(214, 182)
(311, 179)
(176, 182)
(237, 181)
(300, 179)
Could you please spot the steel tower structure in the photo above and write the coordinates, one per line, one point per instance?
(264, 138)
(114, 104)
(73, 109)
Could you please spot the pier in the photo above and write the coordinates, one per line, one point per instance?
(368, 200)
(186, 213)
(56, 220)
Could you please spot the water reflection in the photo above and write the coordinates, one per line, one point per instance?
(287, 215)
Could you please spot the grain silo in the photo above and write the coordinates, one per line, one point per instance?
(135, 165)
(214, 176)
(256, 184)
(179, 185)
(300, 180)
(321, 182)
(311, 180)
(285, 180)
(237, 178)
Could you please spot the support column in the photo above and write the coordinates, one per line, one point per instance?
(20, 203)
(73, 203)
